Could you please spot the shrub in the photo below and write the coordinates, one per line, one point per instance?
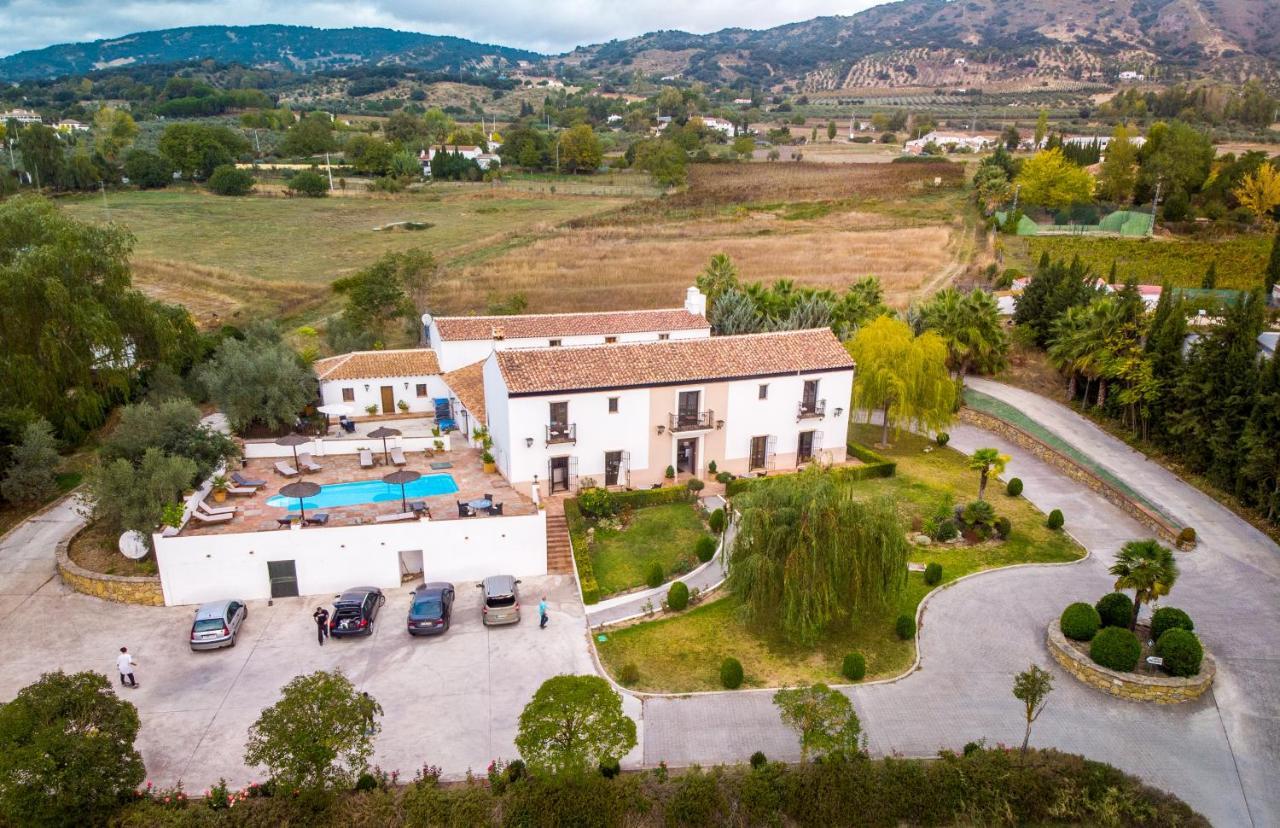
(695, 485)
(1080, 622)
(711, 468)
(705, 548)
(229, 181)
(366, 782)
(1003, 527)
(905, 627)
(309, 183)
(716, 521)
(610, 768)
(1115, 609)
(1055, 520)
(978, 513)
(854, 667)
(1187, 536)
(1181, 651)
(759, 760)
(942, 438)
(1116, 648)
(1169, 618)
(945, 531)
(656, 576)
(670, 473)
(731, 673)
(32, 476)
(629, 674)
(678, 596)
(724, 478)
(516, 769)
(933, 573)
(1014, 487)
(597, 503)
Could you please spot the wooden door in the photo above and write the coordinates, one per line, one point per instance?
(388, 400)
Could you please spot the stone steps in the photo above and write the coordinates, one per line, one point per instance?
(559, 551)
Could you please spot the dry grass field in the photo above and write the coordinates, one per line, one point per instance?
(722, 184)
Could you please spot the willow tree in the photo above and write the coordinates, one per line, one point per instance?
(811, 557)
(902, 375)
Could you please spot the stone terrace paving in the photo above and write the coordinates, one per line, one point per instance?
(254, 515)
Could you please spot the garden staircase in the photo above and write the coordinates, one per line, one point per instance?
(559, 552)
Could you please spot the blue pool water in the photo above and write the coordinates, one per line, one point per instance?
(369, 491)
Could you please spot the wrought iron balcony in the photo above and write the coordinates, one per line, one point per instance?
(562, 433)
(811, 410)
(692, 420)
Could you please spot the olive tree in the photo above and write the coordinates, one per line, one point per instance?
(31, 478)
(127, 496)
(823, 718)
(258, 380)
(66, 752)
(572, 724)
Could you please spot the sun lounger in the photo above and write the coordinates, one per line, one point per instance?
(240, 480)
(241, 491)
(443, 464)
(366, 459)
(397, 457)
(398, 516)
(318, 519)
(304, 460)
(203, 518)
(420, 507)
(215, 510)
(285, 469)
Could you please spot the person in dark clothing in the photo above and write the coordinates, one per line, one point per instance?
(321, 615)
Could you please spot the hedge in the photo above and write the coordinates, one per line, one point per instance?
(1080, 622)
(876, 465)
(578, 539)
(1181, 651)
(1116, 648)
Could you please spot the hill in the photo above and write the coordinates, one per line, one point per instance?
(294, 48)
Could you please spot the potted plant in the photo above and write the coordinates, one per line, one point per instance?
(219, 488)
(402, 406)
(439, 444)
(487, 459)
(435, 431)
(371, 409)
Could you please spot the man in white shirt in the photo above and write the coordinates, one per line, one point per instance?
(125, 663)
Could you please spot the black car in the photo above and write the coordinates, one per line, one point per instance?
(354, 611)
(430, 608)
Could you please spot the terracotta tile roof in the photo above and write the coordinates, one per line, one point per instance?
(410, 362)
(672, 362)
(567, 324)
(467, 384)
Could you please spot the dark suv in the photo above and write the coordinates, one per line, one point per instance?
(354, 611)
(430, 608)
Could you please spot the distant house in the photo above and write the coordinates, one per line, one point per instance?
(382, 379)
(720, 125)
(1131, 77)
(959, 62)
(742, 101)
(22, 116)
(485, 160)
(950, 141)
(68, 125)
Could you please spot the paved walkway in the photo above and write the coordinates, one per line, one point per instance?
(1219, 753)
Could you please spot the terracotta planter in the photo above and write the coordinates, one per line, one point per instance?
(490, 468)
(219, 495)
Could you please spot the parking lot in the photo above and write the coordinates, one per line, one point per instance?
(452, 700)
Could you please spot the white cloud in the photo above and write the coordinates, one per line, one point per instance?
(530, 24)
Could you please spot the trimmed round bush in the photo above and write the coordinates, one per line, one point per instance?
(759, 760)
(629, 674)
(946, 530)
(731, 673)
(1115, 609)
(943, 438)
(1187, 535)
(905, 627)
(1080, 622)
(610, 768)
(1055, 520)
(1116, 648)
(656, 576)
(1169, 618)
(1003, 527)
(1014, 487)
(705, 548)
(716, 520)
(678, 596)
(724, 477)
(366, 782)
(932, 573)
(1181, 651)
(854, 667)
(695, 485)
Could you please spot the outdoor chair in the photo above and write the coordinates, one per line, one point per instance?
(304, 460)
(213, 511)
(203, 518)
(488, 496)
(284, 522)
(420, 507)
(465, 511)
(285, 469)
(366, 459)
(240, 480)
(397, 457)
(318, 519)
(347, 425)
(495, 509)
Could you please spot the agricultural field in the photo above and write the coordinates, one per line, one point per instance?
(1241, 260)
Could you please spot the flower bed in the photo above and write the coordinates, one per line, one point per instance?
(1147, 683)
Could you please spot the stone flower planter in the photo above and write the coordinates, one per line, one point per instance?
(1160, 689)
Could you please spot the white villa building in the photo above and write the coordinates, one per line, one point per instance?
(382, 379)
(483, 159)
(22, 116)
(950, 141)
(620, 414)
(720, 125)
(463, 340)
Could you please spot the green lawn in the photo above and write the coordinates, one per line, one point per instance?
(1241, 260)
(663, 534)
(683, 653)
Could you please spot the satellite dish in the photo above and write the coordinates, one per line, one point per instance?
(133, 544)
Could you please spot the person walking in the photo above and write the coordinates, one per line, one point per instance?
(542, 613)
(321, 616)
(125, 664)
(371, 708)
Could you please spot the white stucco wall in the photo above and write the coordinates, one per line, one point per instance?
(597, 431)
(198, 568)
(748, 416)
(403, 388)
(325, 446)
(496, 410)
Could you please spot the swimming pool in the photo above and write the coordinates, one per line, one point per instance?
(368, 491)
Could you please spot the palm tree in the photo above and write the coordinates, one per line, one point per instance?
(970, 325)
(1148, 569)
(985, 461)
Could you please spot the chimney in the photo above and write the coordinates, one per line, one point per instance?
(695, 302)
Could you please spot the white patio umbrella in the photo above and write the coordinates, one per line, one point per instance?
(333, 410)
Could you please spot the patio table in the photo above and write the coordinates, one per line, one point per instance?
(480, 504)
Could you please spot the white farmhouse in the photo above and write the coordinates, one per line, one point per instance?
(950, 141)
(68, 125)
(382, 379)
(621, 414)
(22, 116)
(463, 340)
(720, 125)
(483, 159)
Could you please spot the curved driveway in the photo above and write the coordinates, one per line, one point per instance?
(1220, 753)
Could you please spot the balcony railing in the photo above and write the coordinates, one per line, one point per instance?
(562, 433)
(811, 410)
(691, 420)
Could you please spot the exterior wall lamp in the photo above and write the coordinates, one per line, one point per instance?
(839, 411)
(661, 429)
(366, 386)
(528, 442)
(719, 424)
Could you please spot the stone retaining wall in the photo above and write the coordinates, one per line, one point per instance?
(1165, 530)
(1131, 686)
(123, 589)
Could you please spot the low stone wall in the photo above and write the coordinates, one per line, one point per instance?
(1165, 530)
(123, 589)
(1131, 686)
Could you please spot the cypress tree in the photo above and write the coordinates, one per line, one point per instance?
(1111, 277)
(1273, 266)
(1260, 468)
(1210, 280)
(1163, 348)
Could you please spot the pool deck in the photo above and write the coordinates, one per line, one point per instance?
(254, 515)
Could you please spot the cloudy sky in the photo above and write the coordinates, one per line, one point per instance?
(532, 24)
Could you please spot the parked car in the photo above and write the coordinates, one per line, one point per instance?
(501, 600)
(430, 608)
(354, 611)
(217, 624)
